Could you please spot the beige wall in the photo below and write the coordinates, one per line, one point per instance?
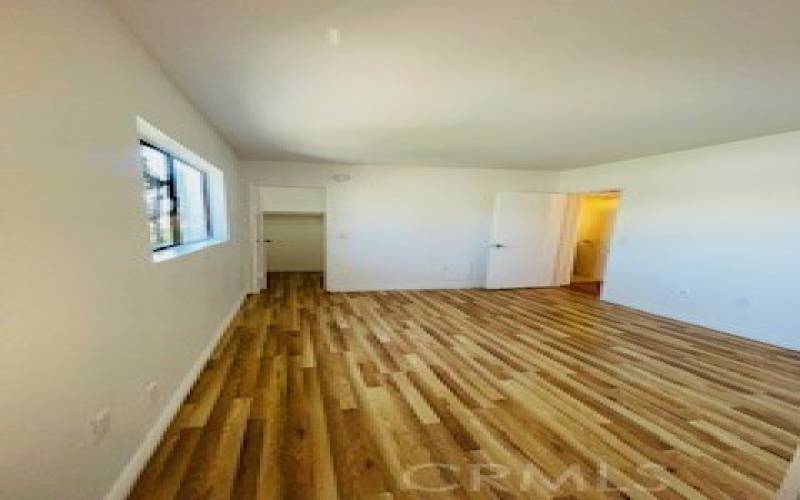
(296, 242)
(87, 319)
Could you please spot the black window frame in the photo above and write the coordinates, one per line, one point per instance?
(172, 192)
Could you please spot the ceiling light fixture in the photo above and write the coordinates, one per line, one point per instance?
(334, 37)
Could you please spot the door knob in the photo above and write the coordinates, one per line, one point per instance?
(498, 245)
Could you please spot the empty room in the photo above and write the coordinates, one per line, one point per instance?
(399, 249)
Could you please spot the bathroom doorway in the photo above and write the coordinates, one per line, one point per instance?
(597, 213)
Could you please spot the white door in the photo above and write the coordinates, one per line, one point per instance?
(526, 232)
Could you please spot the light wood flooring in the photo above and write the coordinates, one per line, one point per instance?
(476, 394)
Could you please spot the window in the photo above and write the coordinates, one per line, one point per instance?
(177, 199)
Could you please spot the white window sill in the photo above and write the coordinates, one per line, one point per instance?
(180, 251)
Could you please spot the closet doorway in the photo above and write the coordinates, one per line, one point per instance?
(294, 242)
(289, 228)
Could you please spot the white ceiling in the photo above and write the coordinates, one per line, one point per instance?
(543, 84)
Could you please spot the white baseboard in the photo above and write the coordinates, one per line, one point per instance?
(437, 285)
(791, 485)
(127, 478)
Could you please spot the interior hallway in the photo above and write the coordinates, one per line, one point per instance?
(316, 395)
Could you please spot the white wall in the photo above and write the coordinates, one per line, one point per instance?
(87, 319)
(291, 199)
(404, 227)
(295, 242)
(710, 236)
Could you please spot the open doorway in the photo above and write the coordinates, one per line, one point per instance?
(596, 215)
(295, 242)
(288, 225)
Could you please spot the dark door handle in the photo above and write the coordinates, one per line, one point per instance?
(498, 245)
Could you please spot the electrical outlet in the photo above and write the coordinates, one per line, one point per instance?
(153, 392)
(100, 424)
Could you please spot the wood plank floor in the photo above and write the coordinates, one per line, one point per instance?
(593, 288)
(476, 394)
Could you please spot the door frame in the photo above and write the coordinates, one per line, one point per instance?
(255, 219)
(569, 236)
